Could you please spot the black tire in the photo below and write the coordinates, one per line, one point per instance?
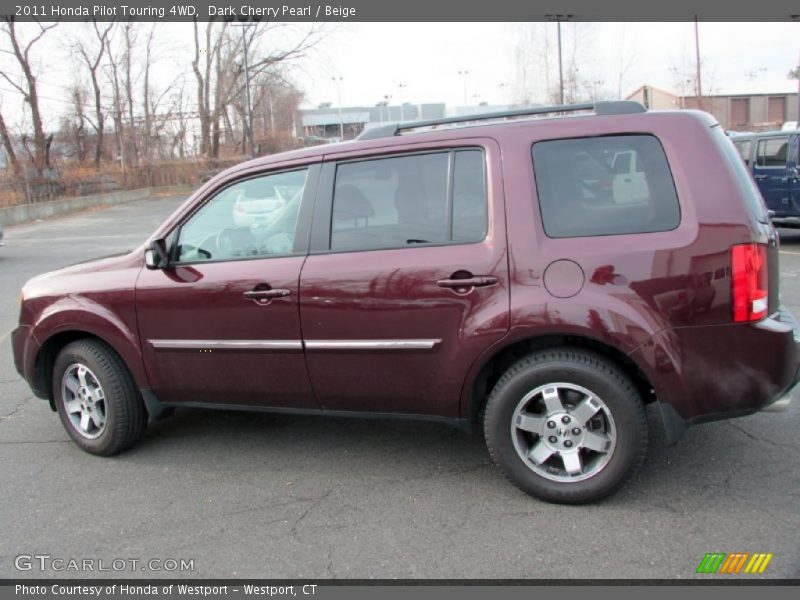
(125, 416)
(579, 368)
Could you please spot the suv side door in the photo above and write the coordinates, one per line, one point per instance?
(406, 282)
(220, 324)
(771, 172)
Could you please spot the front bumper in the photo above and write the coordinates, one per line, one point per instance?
(25, 348)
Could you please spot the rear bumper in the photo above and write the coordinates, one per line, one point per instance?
(718, 372)
(787, 222)
(784, 399)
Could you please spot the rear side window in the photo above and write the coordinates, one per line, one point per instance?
(772, 152)
(604, 186)
(402, 201)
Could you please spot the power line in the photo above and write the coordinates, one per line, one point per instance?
(13, 91)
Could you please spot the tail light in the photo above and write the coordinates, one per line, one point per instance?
(749, 282)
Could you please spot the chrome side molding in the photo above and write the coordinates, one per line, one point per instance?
(227, 344)
(294, 344)
(371, 344)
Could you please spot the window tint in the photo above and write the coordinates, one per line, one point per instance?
(469, 197)
(772, 152)
(251, 218)
(405, 200)
(604, 186)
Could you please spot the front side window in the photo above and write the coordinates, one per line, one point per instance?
(252, 218)
(403, 201)
(604, 186)
(772, 152)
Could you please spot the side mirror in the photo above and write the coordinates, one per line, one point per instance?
(155, 257)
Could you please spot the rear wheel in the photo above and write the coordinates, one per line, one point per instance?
(566, 426)
(96, 398)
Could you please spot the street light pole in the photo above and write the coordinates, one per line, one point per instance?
(464, 74)
(338, 82)
(386, 99)
(402, 86)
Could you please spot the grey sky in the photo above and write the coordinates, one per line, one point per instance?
(374, 58)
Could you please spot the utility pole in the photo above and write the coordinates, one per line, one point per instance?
(338, 82)
(699, 90)
(560, 67)
(558, 19)
(249, 124)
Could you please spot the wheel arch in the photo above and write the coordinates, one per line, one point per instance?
(56, 342)
(494, 364)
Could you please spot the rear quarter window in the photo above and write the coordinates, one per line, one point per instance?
(604, 186)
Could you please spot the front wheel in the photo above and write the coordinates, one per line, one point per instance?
(566, 426)
(96, 398)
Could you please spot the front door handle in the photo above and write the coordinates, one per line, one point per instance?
(265, 296)
(759, 177)
(465, 284)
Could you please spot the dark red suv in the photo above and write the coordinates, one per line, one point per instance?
(544, 274)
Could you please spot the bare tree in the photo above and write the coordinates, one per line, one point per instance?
(29, 90)
(8, 146)
(78, 132)
(146, 99)
(114, 77)
(218, 67)
(627, 56)
(92, 57)
(533, 56)
(130, 32)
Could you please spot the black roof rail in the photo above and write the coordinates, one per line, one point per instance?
(617, 107)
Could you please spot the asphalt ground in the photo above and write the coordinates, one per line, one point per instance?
(256, 495)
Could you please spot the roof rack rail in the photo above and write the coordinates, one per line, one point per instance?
(617, 107)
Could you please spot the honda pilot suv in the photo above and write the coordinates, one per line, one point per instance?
(544, 274)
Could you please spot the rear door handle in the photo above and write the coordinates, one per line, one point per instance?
(468, 282)
(759, 176)
(264, 296)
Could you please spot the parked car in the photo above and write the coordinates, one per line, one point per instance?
(773, 158)
(258, 202)
(2, 235)
(485, 274)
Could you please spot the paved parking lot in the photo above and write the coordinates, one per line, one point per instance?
(248, 495)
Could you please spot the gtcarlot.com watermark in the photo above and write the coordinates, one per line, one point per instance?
(46, 563)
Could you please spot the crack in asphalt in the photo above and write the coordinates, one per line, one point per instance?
(315, 503)
(270, 505)
(757, 438)
(16, 409)
(329, 566)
